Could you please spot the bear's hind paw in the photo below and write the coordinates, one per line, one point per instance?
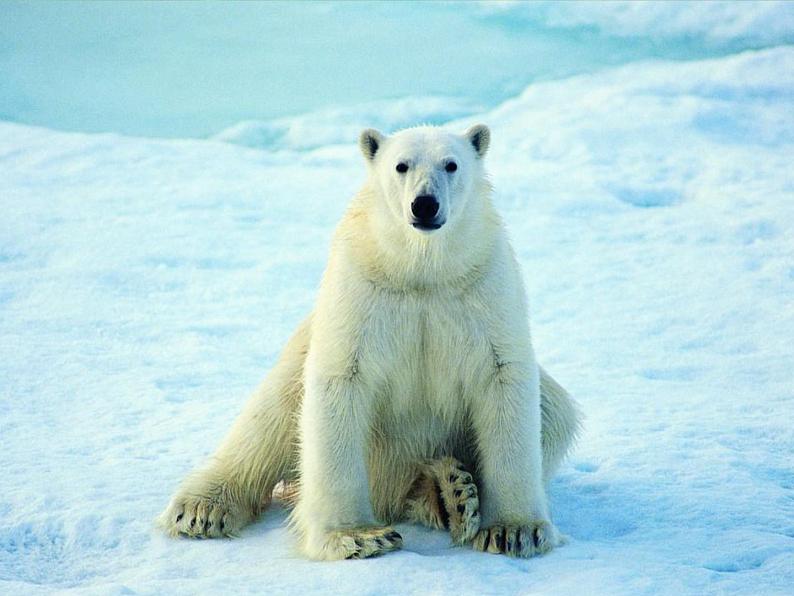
(201, 518)
(461, 501)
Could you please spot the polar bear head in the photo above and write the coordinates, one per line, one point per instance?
(425, 176)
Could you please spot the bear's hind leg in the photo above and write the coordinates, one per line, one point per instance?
(237, 483)
(259, 451)
(444, 495)
(560, 423)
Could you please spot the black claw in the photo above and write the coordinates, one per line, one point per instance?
(444, 512)
(356, 553)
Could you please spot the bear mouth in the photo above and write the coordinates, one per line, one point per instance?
(427, 226)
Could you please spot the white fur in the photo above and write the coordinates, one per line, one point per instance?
(418, 347)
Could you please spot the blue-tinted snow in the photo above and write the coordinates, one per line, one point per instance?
(180, 69)
(147, 284)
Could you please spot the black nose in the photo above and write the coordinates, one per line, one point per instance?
(424, 207)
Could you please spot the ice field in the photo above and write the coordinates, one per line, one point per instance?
(150, 275)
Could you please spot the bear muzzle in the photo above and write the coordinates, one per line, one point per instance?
(424, 208)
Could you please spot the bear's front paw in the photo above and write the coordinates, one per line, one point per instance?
(360, 543)
(200, 517)
(526, 540)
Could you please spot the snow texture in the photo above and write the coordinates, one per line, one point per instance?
(179, 69)
(146, 285)
(719, 21)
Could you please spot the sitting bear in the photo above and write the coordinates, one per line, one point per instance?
(411, 392)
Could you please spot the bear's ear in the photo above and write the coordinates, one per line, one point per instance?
(480, 137)
(370, 141)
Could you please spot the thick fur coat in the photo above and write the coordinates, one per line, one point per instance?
(411, 392)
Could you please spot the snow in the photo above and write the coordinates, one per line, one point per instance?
(146, 285)
(718, 21)
(339, 124)
(188, 69)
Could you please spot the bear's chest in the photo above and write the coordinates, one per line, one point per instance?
(429, 347)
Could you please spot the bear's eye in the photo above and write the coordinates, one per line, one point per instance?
(402, 167)
(451, 167)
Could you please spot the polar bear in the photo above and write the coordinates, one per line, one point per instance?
(411, 392)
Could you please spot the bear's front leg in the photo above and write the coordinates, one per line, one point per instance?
(507, 424)
(334, 513)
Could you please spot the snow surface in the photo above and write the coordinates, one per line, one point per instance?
(765, 21)
(193, 69)
(146, 286)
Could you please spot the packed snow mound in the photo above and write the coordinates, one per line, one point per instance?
(147, 285)
(172, 69)
(719, 21)
(655, 134)
(342, 125)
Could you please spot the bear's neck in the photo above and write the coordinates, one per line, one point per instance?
(397, 257)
